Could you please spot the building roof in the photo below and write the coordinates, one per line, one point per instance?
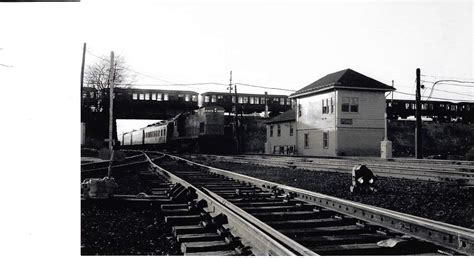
(346, 79)
(289, 115)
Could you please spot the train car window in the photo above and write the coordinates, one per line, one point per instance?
(142, 96)
(306, 141)
(160, 97)
(153, 96)
(233, 99)
(165, 97)
(271, 130)
(454, 107)
(291, 129)
(240, 100)
(84, 95)
(262, 100)
(201, 127)
(389, 104)
(278, 130)
(213, 98)
(424, 106)
(275, 100)
(407, 105)
(194, 98)
(282, 101)
(413, 106)
(246, 100)
(92, 94)
(430, 106)
(220, 97)
(251, 100)
(206, 99)
(325, 140)
(186, 98)
(257, 100)
(147, 96)
(468, 108)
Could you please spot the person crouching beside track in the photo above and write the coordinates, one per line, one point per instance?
(363, 180)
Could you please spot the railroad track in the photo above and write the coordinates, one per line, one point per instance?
(458, 174)
(307, 223)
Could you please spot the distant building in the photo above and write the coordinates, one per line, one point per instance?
(340, 114)
(281, 134)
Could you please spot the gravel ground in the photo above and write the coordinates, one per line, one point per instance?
(117, 228)
(430, 200)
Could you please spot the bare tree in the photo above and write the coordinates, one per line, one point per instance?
(97, 74)
(97, 77)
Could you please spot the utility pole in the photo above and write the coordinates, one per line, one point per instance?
(82, 69)
(266, 105)
(236, 127)
(418, 141)
(111, 110)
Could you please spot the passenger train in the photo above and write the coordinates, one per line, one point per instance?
(200, 131)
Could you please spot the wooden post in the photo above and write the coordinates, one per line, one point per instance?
(418, 141)
(111, 110)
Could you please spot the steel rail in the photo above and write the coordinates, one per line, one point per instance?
(464, 178)
(449, 236)
(106, 162)
(262, 242)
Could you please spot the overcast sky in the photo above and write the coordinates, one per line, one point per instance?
(284, 44)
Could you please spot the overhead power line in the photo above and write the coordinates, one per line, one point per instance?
(445, 82)
(264, 87)
(446, 77)
(459, 100)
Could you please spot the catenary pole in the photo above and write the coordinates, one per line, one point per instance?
(111, 109)
(418, 141)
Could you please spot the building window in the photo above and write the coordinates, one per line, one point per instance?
(134, 96)
(166, 97)
(278, 130)
(282, 101)
(271, 130)
(147, 96)
(194, 98)
(291, 129)
(325, 106)
(350, 105)
(153, 96)
(325, 140)
(332, 106)
(160, 97)
(306, 141)
(142, 96)
(186, 97)
(213, 98)
(300, 111)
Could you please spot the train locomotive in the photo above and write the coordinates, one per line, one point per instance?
(199, 131)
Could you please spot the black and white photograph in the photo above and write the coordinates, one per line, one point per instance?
(237, 128)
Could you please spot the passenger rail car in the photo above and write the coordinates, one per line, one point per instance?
(440, 111)
(199, 131)
(247, 103)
